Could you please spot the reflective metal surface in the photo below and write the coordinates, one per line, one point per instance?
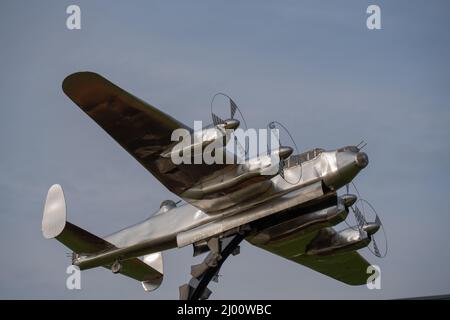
(54, 218)
(293, 220)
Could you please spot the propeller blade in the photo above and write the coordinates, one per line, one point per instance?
(216, 119)
(359, 217)
(376, 251)
(281, 168)
(233, 108)
(378, 221)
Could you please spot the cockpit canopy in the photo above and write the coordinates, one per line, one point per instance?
(348, 148)
(311, 154)
(302, 157)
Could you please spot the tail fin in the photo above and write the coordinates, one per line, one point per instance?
(56, 226)
(54, 219)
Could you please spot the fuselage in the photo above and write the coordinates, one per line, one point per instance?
(318, 174)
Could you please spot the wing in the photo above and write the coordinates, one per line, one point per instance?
(141, 129)
(348, 267)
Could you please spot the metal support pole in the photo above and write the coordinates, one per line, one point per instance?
(208, 270)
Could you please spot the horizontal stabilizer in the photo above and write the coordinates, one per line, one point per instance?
(143, 271)
(55, 226)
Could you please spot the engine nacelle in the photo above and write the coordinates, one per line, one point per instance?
(291, 223)
(328, 241)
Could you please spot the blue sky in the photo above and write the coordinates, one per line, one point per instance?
(313, 65)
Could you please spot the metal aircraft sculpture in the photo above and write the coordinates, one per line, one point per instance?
(290, 212)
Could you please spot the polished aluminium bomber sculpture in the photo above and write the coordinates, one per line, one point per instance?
(290, 212)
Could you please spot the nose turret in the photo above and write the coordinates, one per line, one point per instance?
(362, 160)
(349, 162)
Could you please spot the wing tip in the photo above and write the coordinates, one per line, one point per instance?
(77, 77)
(86, 88)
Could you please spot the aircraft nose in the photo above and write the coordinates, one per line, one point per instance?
(362, 160)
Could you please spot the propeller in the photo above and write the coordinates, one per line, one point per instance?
(284, 152)
(231, 122)
(378, 244)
